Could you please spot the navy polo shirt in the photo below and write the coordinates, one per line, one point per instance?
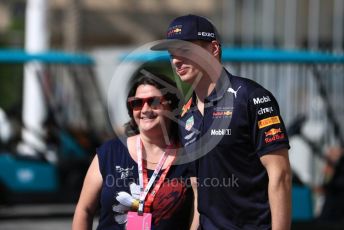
(241, 123)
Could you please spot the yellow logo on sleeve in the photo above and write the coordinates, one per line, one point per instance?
(268, 121)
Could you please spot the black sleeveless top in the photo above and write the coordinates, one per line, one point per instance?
(172, 206)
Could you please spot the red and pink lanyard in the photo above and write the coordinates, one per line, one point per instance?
(146, 185)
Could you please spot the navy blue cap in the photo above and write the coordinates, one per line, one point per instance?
(189, 28)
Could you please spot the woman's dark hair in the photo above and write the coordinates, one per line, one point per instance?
(170, 92)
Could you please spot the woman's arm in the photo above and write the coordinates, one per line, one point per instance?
(195, 219)
(88, 201)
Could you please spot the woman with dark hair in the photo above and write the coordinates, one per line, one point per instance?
(135, 179)
(164, 84)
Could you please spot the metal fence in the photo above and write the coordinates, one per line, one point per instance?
(296, 88)
(291, 24)
(310, 93)
(309, 88)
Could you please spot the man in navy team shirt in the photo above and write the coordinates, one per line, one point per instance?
(233, 126)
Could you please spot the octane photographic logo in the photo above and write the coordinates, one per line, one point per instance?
(202, 141)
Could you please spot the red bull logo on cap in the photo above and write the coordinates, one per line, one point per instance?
(174, 30)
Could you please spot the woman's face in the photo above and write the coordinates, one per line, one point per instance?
(151, 117)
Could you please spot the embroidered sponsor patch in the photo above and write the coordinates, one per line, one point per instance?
(206, 34)
(222, 112)
(261, 100)
(262, 111)
(221, 132)
(186, 107)
(273, 135)
(272, 132)
(268, 121)
(190, 141)
(189, 123)
(174, 30)
(189, 136)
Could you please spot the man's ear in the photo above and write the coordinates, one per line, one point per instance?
(216, 48)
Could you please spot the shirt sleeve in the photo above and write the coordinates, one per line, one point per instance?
(268, 131)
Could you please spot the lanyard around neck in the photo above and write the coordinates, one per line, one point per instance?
(142, 172)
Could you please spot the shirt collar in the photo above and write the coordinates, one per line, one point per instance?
(221, 87)
(218, 92)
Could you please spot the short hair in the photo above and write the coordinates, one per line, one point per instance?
(204, 43)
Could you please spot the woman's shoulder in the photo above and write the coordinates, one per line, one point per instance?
(113, 145)
(113, 151)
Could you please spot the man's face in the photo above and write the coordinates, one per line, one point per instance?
(186, 60)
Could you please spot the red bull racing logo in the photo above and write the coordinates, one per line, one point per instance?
(273, 135)
(221, 114)
(272, 132)
(174, 30)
